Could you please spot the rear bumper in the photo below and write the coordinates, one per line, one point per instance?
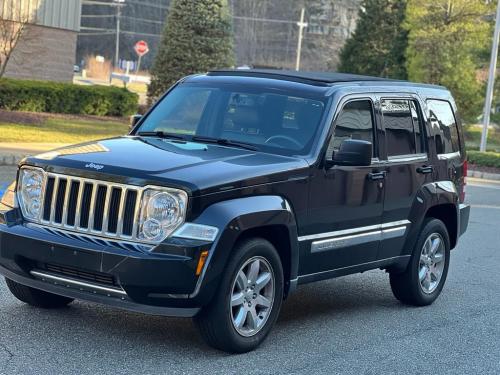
(464, 213)
(159, 282)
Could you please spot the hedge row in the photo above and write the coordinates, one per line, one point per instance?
(484, 159)
(55, 97)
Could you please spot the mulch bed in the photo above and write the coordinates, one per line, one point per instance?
(35, 118)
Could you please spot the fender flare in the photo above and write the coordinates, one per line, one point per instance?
(233, 218)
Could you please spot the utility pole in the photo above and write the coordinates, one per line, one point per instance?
(491, 82)
(301, 26)
(119, 4)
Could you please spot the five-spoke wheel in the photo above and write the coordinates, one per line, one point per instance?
(252, 296)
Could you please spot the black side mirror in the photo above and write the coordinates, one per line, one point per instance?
(353, 152)
(134, 119)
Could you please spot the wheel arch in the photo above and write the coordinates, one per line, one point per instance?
(268, 216)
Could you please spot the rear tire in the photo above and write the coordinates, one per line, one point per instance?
(36, 297)
(246, 306)
(423, 280)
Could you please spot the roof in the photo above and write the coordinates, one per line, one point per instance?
(316, 78)
(312, 77)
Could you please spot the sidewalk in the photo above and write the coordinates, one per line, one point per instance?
(12, 153)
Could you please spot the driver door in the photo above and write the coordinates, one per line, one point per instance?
(346, 202)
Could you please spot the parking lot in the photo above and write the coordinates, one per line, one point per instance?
(349, 325)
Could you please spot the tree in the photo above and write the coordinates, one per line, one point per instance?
(446, 45)
(14, 20)
(197, 38)
(378, 44)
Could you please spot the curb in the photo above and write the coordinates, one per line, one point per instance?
(11, 160)
(484, 175)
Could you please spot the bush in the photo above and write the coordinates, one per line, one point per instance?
(55, 97)
(484, 159)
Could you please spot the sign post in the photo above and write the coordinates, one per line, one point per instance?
(141, 48)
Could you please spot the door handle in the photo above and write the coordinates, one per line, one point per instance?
(376, 175)
(425, 169)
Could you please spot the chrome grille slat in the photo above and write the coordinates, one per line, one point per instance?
(119, 209)
(65, 204)
(54, 198)
(119, 224)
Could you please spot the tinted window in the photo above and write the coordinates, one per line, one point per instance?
(418, 125)
(284, 122)
(398, 123)
(444, 126)
(355, 121)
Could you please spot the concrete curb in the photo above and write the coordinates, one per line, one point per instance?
(11, 159)
(484, 175)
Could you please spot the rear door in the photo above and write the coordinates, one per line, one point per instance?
(407, 167)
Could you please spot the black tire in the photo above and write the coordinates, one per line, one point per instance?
(406, 285)
(215, 320)
(36, 297)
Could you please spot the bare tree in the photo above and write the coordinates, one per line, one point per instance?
(14, 20)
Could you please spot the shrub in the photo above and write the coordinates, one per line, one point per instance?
(484, 159)
(55, 97)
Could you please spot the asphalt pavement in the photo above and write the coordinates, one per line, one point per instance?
(350, 325)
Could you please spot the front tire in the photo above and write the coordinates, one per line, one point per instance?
(423, 280)
(37, 298)
(247, 304)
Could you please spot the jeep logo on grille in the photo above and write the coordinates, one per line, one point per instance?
(97, 167)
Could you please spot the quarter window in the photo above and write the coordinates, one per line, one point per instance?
(355, 121)
(444, 126)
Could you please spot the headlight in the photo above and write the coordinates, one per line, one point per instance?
(30, 191)
(162, 212)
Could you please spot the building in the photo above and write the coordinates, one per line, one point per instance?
(47, 49)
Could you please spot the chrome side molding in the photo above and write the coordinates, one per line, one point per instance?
(356, 236)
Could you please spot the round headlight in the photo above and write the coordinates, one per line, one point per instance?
(30, 189)
(164, 208)
(162, 212)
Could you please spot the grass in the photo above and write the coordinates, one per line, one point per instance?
(61, 130)
(473, 138)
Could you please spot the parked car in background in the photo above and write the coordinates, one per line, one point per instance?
(236, 188)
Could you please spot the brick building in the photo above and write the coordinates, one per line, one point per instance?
(48, 47)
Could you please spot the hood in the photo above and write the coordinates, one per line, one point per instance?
(196, 167)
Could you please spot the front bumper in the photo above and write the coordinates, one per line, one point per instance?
(161, 281)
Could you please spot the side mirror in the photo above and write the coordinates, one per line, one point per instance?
(353, 152)
(134, 119)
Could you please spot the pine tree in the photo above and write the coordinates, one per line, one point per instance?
(197, 37)
(447, 43)
(378, 44)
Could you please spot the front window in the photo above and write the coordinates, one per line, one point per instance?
(268, 120)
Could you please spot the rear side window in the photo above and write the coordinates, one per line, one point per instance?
(403, 127)
(444, 126)
(355, 121)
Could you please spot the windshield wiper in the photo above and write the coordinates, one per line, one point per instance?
(224, 142)
(161, 134)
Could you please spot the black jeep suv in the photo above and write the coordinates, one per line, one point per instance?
(237, 187)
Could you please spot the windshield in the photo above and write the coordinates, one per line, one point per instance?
(268, 120)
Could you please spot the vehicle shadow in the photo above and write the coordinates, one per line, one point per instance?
(85, 324)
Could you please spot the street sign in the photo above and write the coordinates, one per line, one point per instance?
(141, 48)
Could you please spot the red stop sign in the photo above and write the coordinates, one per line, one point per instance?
(141, 48)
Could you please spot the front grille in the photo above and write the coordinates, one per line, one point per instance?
(90, 206)
(78, 274)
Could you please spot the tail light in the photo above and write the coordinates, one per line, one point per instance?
(464, 181)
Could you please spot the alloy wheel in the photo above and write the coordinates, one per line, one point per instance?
(252, 296)
(432, 263)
